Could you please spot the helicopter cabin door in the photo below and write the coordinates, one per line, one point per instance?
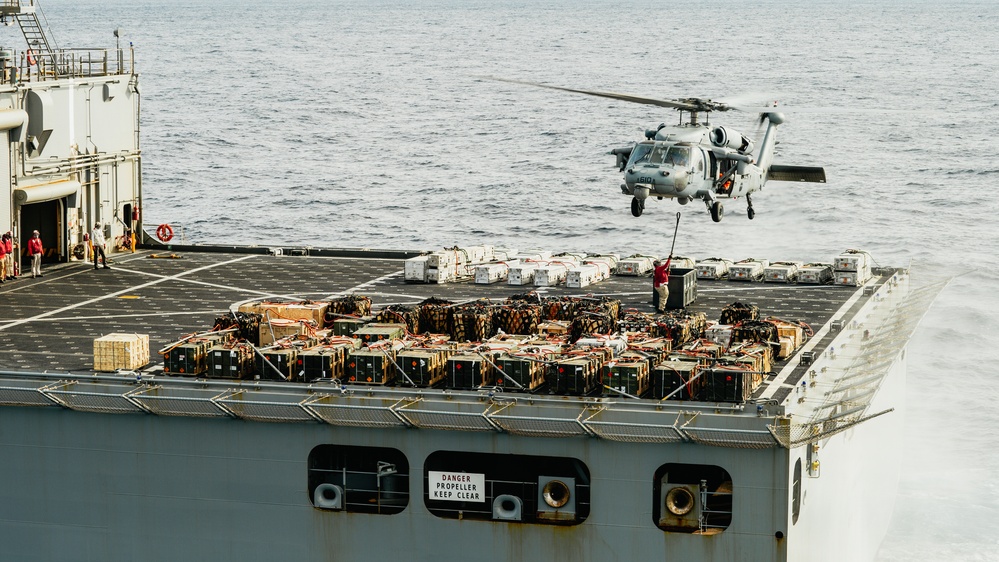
(712, 167)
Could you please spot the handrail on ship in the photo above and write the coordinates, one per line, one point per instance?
(66, 63)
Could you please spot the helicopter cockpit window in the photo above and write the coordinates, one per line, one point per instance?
(640, 153)
(657, 155)
(678, 156)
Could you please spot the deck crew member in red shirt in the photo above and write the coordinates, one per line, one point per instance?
(660, 284)
(9, 271)
(35, 251)
(3, 259)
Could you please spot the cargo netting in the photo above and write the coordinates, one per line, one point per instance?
(864, 364)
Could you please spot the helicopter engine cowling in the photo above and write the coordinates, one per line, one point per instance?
(729, 138)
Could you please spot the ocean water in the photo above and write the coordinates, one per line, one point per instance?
(368, 124)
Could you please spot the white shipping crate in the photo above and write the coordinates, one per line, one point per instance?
(720, 334)
(853, 260)
(747, 270)
(712, 268)
(491, 273)
(416, 269)
(521, 274)
(440, 260)
(815, 274)
(475, 254)
(681, 262)
(443, 275)
(550, 275)
(609, 260)
(851, 278)
(582, 276)
(636, 266)
(781, 272)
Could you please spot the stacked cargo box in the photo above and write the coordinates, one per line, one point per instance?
(749, 269)
(712, 268)
(676, 380)
(730, 383)
(522, 273)
(628, 374)
(277, 363)
(190, 357)
(492, 273)
(370, 366)
(425, 367)
(467, 371)
(373, 332)
(121, 351)
(853, 268)
(550, 275)
(576, 375)
(635, 265)
(681, 262)
(790, 336)
(231, 361)
(782, 272)
(815, 273)
(323, 362)
(526, 369)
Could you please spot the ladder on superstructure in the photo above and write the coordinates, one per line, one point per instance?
(39, 43)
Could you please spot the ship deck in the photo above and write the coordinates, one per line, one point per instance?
(49, 323)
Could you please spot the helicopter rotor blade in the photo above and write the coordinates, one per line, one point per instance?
(675, 104)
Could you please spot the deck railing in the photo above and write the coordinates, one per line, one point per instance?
(29, 66)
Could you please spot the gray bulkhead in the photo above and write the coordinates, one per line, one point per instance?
(72, 159)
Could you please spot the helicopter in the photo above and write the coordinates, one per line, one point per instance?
(693, 160)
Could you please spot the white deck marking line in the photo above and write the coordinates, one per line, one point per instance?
(139, 315)
(117, 293)
(795, 360)
(207, 284)
(363, 285)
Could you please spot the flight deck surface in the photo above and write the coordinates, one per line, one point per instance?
(49, 323)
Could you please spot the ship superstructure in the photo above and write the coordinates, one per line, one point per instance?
(71, 157)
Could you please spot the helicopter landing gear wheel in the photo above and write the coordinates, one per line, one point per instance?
(717, 211)
(637, 207)
(750, 213)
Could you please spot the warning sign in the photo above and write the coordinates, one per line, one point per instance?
(457, 486)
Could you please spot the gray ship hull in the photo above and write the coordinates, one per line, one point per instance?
(84, 486)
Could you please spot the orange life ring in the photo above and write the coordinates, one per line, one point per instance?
(164, 232)
(31, 57)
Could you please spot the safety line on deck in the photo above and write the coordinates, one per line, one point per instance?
(117, 293)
